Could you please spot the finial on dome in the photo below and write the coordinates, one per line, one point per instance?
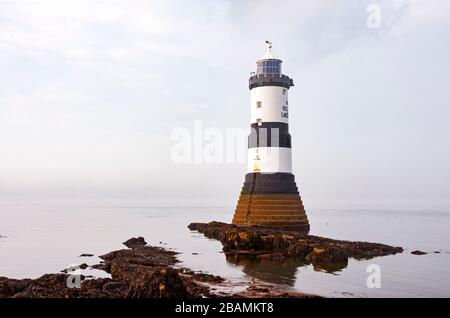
(268, 55)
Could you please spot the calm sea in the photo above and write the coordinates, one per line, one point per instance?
(45, 238)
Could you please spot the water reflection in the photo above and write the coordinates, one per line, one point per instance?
(271, 271)
(283, 271)
(330, 267)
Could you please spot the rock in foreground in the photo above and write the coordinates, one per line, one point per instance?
(135, 242)
(269, 291)
(322, 253)
(140, 272)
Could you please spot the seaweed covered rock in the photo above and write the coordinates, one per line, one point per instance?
(271, 243)
(328, 258)
(157, 283)
(140, 272)
(215, 230)
(135, 242)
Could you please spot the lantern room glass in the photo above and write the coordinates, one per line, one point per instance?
(268, 67)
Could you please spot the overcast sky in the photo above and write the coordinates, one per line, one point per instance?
(91, 91)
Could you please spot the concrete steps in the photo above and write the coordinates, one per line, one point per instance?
(278, 210)
(262, 207)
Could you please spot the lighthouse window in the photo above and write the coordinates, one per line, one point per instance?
(284, 92)
(258, 104)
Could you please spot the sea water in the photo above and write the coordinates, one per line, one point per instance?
(39, 238)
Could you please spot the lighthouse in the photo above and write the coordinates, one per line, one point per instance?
(270, 196)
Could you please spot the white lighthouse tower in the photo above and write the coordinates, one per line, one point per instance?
(270, 196)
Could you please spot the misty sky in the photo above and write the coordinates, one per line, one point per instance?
(91, 91)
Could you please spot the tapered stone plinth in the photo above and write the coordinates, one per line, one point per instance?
(271, 200)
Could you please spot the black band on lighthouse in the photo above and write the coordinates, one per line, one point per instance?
(271, 124)
(270, 134)
(271, 183)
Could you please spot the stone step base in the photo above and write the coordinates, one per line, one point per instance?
(283, 211)
(277, 215)
(265, 220)
(262, 207)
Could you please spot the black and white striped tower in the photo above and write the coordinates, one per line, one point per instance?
(270, 195)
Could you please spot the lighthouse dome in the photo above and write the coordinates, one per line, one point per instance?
(268, 64)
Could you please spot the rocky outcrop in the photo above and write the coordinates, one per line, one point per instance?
(215, 230)
(135, 242)
(202, 277)
(55, 286)
(147, 271)
(323, 253)
(139, 272)
(10, 287)
(328, 258)
(417, 252)
(269, 291)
